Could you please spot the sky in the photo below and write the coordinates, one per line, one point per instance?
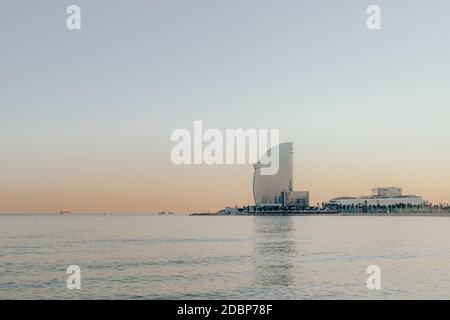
(86, 115)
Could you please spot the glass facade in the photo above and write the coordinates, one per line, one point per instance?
(267, 189)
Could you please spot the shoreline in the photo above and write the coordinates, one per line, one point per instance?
(410, 214)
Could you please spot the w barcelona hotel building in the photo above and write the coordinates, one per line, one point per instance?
(278, 190)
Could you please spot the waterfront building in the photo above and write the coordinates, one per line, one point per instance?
(389, 196)
(277, 190)
(295, 198)
(387, 192)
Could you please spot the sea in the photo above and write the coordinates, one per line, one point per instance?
(224, 257)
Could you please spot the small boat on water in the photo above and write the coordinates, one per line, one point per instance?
(63, 212)
(162, 212)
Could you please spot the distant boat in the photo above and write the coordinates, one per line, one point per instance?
(64, 212)
(162, 212)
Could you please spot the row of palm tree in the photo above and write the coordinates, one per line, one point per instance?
(396, 208)
(352, 208)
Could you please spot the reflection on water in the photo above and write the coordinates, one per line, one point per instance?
(181, 257)
(274, 251)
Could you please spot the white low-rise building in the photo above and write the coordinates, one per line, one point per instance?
(387, 192)
(380, 197)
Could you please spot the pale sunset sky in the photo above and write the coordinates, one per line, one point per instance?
(86, 115)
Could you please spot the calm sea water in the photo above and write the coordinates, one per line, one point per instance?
(182, 257)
